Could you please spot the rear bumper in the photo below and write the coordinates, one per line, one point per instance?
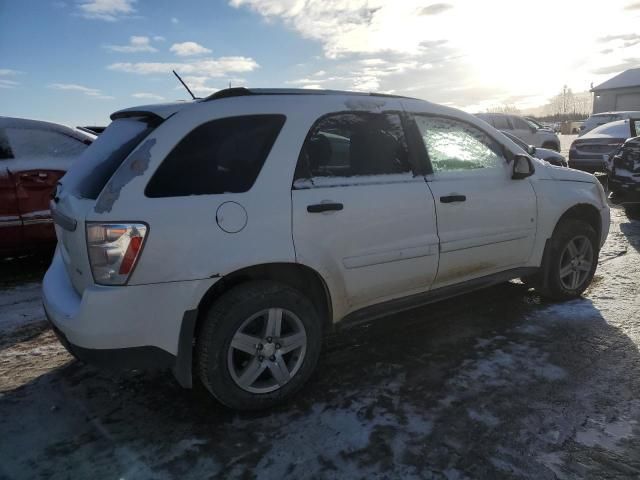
(137, 326)
(590, 165)
(117, 358)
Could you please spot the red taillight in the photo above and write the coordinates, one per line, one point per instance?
(114, 249)
(130, 255)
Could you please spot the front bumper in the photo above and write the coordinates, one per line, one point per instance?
(135, 326)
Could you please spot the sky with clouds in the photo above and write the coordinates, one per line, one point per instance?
(77, 61)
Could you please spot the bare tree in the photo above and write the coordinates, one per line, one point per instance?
(506, 108)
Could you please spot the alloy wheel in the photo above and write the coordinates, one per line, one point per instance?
(267, 350)
(576, 262)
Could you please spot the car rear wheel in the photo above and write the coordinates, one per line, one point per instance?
(259, 344)
(573, 259)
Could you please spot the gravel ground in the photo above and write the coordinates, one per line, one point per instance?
(495, 384)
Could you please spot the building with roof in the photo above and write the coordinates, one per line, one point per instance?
(620, 93)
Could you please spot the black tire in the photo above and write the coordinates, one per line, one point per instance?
(551, 146)
(568, 231)
(224, 319)
(632, 211)
(532, 281)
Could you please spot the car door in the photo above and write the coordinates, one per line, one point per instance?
(486, 220)
(41, 158)
(10, 223)
(360, 215)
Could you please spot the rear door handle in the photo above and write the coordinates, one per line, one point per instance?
(453, 198)
(324, 207)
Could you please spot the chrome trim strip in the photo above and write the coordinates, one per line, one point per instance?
(37, 221)
(10, 223)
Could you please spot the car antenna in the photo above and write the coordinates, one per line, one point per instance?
(184, 84)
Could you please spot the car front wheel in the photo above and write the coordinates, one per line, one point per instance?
(258, 345)
(573, 259)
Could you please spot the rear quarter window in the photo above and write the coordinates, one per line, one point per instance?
(220, 156)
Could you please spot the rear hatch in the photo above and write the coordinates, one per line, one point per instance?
(79, 189)
(593, 148)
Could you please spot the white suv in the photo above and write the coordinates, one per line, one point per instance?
(231, 232)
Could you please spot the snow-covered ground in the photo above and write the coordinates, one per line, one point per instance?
(565, 144)
(20, 306)
(495, 384)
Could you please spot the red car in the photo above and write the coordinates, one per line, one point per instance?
(33, 157)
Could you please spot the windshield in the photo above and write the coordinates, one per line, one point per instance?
(517, 141)
(619, 129)
(596, 120)
(533, 123)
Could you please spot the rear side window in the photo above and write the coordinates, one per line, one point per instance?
(221, 156)
(501, 122)
(519, 124)
(354, 144)
(37, 143)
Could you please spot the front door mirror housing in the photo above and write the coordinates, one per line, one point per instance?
(522, 167)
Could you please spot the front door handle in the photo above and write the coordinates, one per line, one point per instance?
(453, 198)
(324, 207)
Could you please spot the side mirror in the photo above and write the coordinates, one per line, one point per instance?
(531, 150)
(522, 167)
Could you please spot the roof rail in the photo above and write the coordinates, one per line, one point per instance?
(242, 91)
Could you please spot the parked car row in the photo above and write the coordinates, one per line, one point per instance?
(228, 234)
(598, 119)
(551, 156)
(527, 130)
(591, 151)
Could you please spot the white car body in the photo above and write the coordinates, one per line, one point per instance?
(393, 239)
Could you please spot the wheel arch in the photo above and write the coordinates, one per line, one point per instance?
(298, 276)
(585, 212)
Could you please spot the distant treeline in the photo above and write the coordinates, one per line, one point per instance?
(560, 117)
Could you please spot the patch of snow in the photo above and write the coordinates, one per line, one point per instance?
(20, 306)
(484, 417)
(605, 434)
